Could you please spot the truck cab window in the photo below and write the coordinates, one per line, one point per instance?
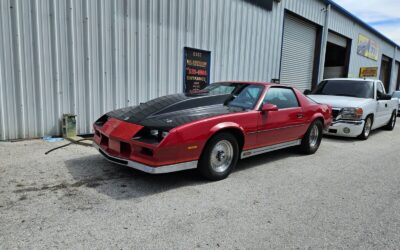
(379, 90)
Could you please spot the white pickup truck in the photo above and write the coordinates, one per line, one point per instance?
(358, 106)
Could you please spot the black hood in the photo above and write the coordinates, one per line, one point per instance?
(171, 111)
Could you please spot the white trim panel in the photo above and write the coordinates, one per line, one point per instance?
(257, 151)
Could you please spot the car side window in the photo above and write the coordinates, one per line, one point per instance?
(281, 97)
(379, 89)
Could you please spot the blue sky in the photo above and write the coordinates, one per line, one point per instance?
(383, 15)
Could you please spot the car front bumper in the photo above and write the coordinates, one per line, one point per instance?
(346, 128)
(146, 168)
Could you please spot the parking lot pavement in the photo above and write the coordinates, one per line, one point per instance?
(347, 196)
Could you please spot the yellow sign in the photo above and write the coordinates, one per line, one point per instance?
(368, 72)
(367, 47)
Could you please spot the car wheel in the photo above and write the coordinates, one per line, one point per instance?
(219, 157)
(392, 123)
(367, 129)
(312, 139)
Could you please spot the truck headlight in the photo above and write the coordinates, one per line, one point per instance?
(351, 113)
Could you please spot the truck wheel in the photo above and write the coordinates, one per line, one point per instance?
(392, 123)
(367, 129)
(219, 157)
(312, 139)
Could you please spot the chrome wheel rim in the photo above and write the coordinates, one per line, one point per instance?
(367, 128)
(221, 156)
(314, 134)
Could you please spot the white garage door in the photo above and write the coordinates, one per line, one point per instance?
(338, 40)
(298, 50)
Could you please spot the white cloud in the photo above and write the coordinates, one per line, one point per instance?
(377, 11)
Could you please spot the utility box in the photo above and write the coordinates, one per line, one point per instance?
(69, 125)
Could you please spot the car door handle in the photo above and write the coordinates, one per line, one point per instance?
(300, 115)
(385, 105)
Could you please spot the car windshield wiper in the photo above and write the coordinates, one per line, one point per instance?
(346, 95)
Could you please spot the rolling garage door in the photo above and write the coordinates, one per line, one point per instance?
(298, 49)
(338, 40)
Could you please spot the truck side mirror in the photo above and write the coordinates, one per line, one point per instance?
(384, 97)
(307, 92)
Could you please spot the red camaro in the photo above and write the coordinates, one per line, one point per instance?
(212, 129)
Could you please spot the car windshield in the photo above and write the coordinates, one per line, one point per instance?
(396, 94)
(222, 88)
(242, 95)
(352, 88)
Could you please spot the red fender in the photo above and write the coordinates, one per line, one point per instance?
(225, 125)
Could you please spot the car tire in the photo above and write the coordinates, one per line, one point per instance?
(367, 128)
(392, 122)
(312, 139)
(219, 157)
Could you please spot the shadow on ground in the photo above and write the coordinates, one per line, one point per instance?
(120, 182)
(340, 139)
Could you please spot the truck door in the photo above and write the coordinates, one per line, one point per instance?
(382, 110)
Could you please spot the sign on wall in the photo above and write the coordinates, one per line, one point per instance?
(197, 69)
(367, 47)
(368, 72)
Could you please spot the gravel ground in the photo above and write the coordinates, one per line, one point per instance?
(346, 196)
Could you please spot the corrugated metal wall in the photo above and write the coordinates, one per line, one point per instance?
(90, 56)
(347, 27)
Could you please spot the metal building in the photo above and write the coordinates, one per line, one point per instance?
(87, 57)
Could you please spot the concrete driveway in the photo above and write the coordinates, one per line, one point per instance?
(346, 196)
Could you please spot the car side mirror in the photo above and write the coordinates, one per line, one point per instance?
(307, 92)
(269, 107)
(384, 97)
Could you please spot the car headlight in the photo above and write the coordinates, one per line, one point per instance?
(351, 113)
(156, 132)
(164, 134)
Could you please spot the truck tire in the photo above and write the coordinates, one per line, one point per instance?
(392, 122)
(219, 157)
(312, 139)
(367, 128)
